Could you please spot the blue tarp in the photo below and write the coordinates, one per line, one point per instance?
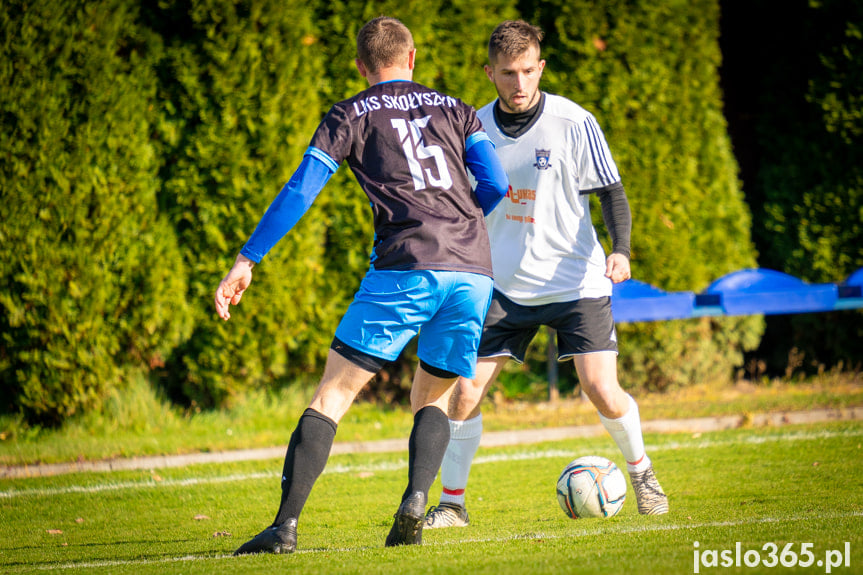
(750, 292)
(639, 301)
(745, 292)
(850, 295)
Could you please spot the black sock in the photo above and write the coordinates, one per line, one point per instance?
(305, 460)
(427, 446)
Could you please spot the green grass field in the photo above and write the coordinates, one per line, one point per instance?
(797, 485)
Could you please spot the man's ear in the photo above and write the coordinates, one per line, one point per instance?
(361, 67)
(489, 71)
(412, 59)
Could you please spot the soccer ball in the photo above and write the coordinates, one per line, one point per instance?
(591, 486)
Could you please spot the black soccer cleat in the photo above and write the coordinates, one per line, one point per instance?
(408, 525)
(274, 539)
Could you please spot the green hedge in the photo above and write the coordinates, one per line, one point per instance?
(236, 104)
(811, 177)
(141, 144)
(92, 280)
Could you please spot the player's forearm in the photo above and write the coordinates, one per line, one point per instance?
(617, 216)
(242, 260)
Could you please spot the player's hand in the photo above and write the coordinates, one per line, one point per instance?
(617, 268)
(233, 285)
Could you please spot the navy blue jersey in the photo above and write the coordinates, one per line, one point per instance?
(406, 145)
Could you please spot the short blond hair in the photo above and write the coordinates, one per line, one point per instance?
(383, 42)
(513, 38)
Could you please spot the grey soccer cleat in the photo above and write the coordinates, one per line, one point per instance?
(447, 515)
(648, 493)
(274, 539)
(408, 525)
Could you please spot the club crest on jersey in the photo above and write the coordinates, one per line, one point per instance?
(542, 157)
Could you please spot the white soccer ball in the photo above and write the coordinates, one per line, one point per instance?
(591, 486)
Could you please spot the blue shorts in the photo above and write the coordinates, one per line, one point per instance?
(446, 309)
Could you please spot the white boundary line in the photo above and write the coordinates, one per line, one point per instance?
(611, 530)
(402, 464)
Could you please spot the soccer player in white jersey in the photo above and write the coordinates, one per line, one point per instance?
(549, 267)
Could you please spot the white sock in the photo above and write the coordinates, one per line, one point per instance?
(626, 432)
(463, 443)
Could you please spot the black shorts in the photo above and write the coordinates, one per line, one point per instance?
(583, 326)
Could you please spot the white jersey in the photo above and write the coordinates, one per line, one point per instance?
(543, 244)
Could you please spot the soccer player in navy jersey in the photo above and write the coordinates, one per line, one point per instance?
(549, 267)
(410, 148)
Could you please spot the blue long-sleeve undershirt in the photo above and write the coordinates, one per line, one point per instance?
(289, 206)
(492, 182)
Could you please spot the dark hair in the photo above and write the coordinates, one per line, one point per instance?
(383, 42)
(512, 38)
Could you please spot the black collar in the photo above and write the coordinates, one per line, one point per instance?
(514, 125)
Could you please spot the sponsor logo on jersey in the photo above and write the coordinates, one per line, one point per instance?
(542, 159)
(520, 196)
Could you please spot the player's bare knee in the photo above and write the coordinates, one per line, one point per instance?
(610, 400)
(465, 400)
